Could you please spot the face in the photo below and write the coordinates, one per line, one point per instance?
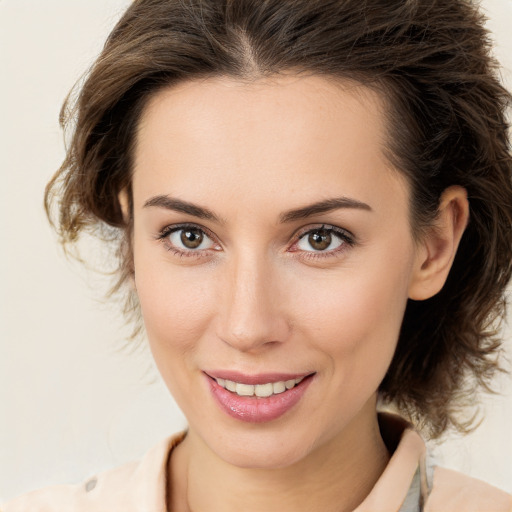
(273, 257)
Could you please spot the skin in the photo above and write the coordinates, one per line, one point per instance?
(257, 297)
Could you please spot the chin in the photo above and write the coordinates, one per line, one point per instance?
(264, 456)
(271, 448)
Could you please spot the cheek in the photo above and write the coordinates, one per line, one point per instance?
(176, 313)
(168, 308)
(355, 317)
(175, 304)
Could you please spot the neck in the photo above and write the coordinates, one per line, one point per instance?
(336, 477)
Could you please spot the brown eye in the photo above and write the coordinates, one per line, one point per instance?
(321, 240)
(191, 238)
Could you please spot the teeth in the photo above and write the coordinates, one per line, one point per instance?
(264, 390)
(290, 384)
(278, 387)
(258, 390)
(244, 389)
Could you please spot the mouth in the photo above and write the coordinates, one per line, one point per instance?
(258, 398)
(259, 390)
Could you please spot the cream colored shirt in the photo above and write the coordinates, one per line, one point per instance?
(408, 484)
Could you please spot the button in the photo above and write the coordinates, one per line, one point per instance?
(91, 484)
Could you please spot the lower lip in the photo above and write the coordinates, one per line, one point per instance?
(257, 410)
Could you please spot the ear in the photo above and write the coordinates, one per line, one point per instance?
(436, 252)
(124, 202)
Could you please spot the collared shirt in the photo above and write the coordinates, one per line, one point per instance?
(409, 483)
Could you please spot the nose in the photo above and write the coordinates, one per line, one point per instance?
(251, 311)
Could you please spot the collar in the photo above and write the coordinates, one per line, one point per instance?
(408, 459)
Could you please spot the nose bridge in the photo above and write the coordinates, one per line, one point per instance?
(250, 312)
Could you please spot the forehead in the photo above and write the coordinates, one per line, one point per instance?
(281, 133)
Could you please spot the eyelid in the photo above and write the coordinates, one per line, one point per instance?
(345, 234)
(170, 228)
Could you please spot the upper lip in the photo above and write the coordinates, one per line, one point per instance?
(259, 378)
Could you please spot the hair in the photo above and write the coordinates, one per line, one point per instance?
(430, 59)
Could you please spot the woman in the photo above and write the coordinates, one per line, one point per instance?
(307, 225)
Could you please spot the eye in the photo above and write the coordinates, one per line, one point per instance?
(322, 240)
(187, 239)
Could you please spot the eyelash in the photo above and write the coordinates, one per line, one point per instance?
(347, 239)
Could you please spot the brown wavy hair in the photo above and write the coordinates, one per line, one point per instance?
(430, 59)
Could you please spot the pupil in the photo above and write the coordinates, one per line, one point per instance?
(191, 238)
(320, 240)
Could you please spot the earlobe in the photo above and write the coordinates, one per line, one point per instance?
(437, 250)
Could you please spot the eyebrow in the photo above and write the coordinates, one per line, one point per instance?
(177, 205)
(328, 205)
(325, 206)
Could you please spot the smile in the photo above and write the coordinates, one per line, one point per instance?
(257, 398)
(259, 390)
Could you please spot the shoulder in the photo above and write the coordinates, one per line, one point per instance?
(74, 498)
(132, 487)
(453, 492)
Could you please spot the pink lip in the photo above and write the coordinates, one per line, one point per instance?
(253, 409)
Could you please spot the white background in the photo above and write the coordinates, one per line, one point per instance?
(72, 400)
